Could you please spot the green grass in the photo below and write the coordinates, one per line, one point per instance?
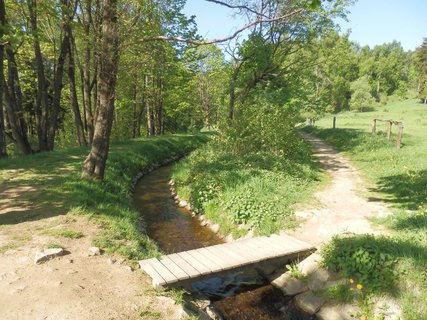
(398, 177)
(63, 233)
(57, 188)
(256, 190)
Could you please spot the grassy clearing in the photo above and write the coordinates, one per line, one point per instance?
(399, 177)
(53, 187)
(254, 191)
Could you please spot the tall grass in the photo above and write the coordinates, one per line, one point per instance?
(398, 177)
(57, 188)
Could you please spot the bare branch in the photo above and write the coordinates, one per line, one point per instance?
(237, 7)
(206, 42)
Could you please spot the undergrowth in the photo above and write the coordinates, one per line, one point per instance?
(255, 190)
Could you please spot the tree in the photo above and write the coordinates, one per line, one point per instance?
(361, 97)
(420, 62)
(94, 165)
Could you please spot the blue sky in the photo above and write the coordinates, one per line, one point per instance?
(371, 22)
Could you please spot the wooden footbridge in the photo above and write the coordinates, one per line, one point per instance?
(180, 269)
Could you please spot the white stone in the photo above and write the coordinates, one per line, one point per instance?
(290, 286)
(111, 261)
(183, 203)
(214, 228)
(310, 264)
(95, 251)
(47, 254)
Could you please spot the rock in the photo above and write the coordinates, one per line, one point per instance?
(229, 238)
(182, 203)
(111, 260)
(188, 207)
(95, 251)
(129, 268)
(121, 260)
(338, 312)
(70, 261)
(290, 286)
(213, 313)
(309, 302)
(310, 264)
(215, 228)
(318, 279)
(47, 254)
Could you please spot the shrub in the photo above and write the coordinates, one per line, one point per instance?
(364, 258)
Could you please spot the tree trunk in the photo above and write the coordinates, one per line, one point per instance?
(94, 165)
(3, 152)
(42, 101)
(87, 89)
(57, 89)
(12, 95)
(73, 97)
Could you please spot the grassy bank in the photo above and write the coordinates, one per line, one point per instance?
(256, 190)
(54, 187)
(399, 177)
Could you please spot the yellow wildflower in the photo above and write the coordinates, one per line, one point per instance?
(351, 280)
(359, 286)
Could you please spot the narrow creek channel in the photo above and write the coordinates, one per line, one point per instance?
(239, 296)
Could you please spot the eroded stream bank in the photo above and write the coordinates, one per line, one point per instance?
(239, 296)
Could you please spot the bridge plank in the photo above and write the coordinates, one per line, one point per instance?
(184, 265)
(164, 272)
(149, 269)
(216, 261)
(177, 271)
(192, 264)
(203, 270)
(202, 260)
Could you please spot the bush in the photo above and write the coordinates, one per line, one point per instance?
(364, 258)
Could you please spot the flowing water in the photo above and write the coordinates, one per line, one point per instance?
(238, 296)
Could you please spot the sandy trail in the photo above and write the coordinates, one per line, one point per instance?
(342, 208)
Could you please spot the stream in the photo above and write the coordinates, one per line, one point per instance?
(239, 296)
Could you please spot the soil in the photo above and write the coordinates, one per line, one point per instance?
(73, 286)
(341, 207)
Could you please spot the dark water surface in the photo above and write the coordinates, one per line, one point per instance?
(239, 296)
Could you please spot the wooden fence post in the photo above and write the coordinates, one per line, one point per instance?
(334, 122)
(390, 123)
(374, 126)
(399, 135)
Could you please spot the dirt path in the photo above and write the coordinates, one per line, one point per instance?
(342, 208)
(75, 286)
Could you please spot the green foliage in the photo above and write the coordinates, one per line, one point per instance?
(363, 258)
(256, 189)
(361, 98)
(342, 293)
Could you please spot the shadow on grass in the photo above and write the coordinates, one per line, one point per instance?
(407, 191)
(371, 259)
